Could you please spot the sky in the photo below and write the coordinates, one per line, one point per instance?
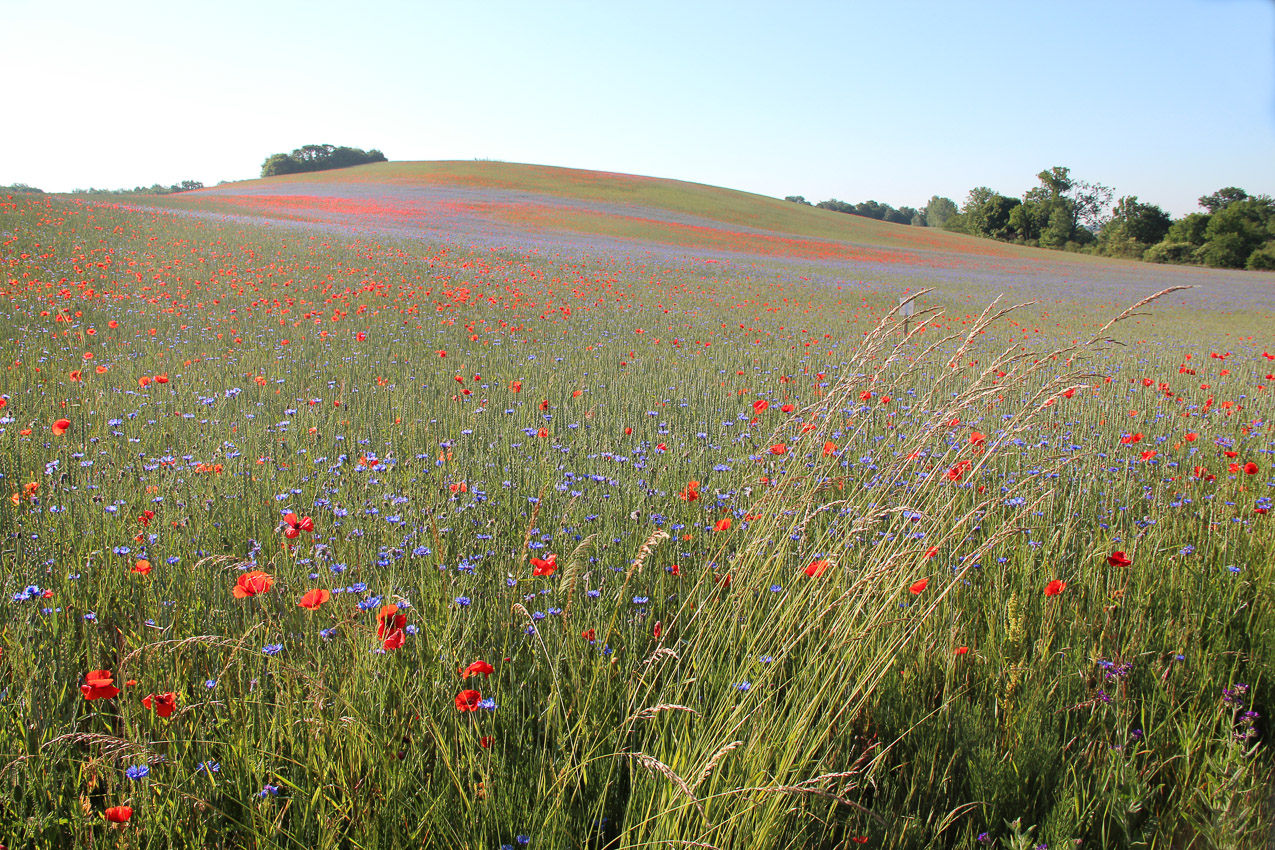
(897, 101)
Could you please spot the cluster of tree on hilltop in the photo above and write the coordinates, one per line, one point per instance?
(1236, 231)
(318, 158)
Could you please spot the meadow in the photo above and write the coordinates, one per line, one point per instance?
(483, 506)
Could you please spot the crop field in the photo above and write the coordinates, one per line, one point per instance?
(474, 505)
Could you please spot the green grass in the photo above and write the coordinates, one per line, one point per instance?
(1095, 715)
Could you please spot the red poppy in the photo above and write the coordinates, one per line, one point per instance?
(829, 448)
(962, 650)
(144, 381)
(689, 493)
(142, 567)
(1250, 468)
(478, 667)
(162, 704)
(314, 598)
(1118, 559)
(161, 379)
(485, 741)
(779, 449)
(119, 814)
(817, 568)
(760, 404)
(388, 619)
(543, 432)
(61, 426)
(544, 566)
(1148, 454)
(919, 586)
(1191, 436)
(978, 438)
(544, 405)
(515, 386)
(99, 684)
(589, 634)
(250, 584)
(786, 408)
(1055, 587)
(294, 526)
(394, 640)
(468, 700)
(658, 630)
(722, 524)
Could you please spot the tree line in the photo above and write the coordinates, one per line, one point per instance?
(318, 158)
(1235, 231)
(156, 189)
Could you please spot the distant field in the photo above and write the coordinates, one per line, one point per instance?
(479, 505)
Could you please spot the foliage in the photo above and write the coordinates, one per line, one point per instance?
(156, 189)
(938, 210)
(797, 199)
(310, 158)
(20, 189)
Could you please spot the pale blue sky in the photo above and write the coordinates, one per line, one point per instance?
(896, 101)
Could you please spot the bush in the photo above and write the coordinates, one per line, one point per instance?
(1263, 259)
(1170, 252)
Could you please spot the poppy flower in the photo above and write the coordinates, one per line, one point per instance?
(162, 704)
(589, 634)
(478, 667)
(760, 404)
(314, 598)
(394, 640)
(544, 566)
(485, 741)
(1118, 559)
(817, 568)
(829, 448)
(515, 386)
(786, 408)
(161, 379)
(977, 438)
(99, 684)
(61, 426)
(722, 524)
(919, 586)
(294, 526)
(142, 567)
(468, 700)
(689, 493)
(1250, 468)
(250, 584)
(658, 630)
(1055, 587)
(779, 449)
(962, 650)
(388, 619)
(144, 381)
(543, 432)
(119, 814)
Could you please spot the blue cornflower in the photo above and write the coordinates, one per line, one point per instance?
(208, 768)
(138, 771)
(463, 601)
(272, 648)
(268, 790)
(742, 686)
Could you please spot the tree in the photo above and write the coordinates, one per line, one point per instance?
(1222, 198)
(986, 213)
(1134, 227)
(1236, 230)
(797, 199)
(318, 158)
(938, 211)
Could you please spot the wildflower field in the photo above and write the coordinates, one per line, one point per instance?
(475, 505)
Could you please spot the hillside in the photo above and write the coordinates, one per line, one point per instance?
(532, 207)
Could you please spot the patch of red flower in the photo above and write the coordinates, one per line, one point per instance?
(99, 684)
